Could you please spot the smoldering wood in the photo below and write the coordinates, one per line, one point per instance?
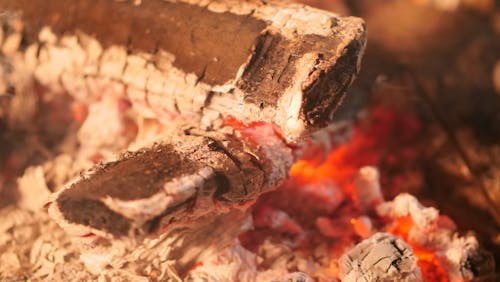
(291, 64)
(183, 189)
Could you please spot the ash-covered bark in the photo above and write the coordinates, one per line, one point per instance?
(275, 62)
(194, 190)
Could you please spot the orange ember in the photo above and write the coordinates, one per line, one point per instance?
(432, 271)
(325, 203)
(431, 268)
(388, 140)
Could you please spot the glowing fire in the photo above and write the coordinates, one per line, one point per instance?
(389, 140)
(427, 260)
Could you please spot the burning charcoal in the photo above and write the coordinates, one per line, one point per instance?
(337, 228)
(319, 144)
(407, 205)
(362, 226)
(382, 257)
(460, 257)
(276, 219)
(463, 259)
(368, 193)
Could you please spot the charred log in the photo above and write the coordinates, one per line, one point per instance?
(183, 190)
(291, 64)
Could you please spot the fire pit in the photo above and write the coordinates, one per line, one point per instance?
(203, 141)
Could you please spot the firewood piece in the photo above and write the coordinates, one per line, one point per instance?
(381, 257)
(193, 191)
(260, 61)
(119, 197)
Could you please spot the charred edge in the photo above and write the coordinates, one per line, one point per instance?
(393, 243)
(157, 224)
(271, 56)
(193, 34)
(94, 214)
(395, 263)
(326, 93)
(480, 263)
(217, 146)
(223, 186)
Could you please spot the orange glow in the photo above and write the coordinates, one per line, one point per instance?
(427, 260)
(362, 226)
(197, 265)
(402, 227)
(388, 140)
(431, 268)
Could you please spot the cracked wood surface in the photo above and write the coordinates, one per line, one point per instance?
(282, 63)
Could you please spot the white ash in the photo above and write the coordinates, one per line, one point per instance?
(33, 189)
(233, 264)
(407, 205)
(110, 135)
(382, 257)
(455, 256)
(368, 191)
(453, 252)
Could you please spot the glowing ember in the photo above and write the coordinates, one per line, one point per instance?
(333, 200)
(389, 139)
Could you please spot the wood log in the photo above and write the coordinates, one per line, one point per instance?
(191, 191)
(260, 61)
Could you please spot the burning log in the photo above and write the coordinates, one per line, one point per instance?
(291, 64)
(178, 191)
